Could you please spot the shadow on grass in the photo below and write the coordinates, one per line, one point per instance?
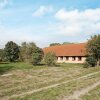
(42, 65)
(38, 65)
(5, 68)
(4, 63)
(57, 65)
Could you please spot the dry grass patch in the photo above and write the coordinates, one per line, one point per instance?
(26, 77)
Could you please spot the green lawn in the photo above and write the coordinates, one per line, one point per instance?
(22, 78)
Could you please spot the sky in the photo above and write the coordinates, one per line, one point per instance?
(48, 21)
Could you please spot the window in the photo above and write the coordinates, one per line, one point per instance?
(79, 58)
(67, 58)
(73, 58)
(61, 58)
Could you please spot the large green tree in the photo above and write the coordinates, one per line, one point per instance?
(11, 51)
(93, 48)
(37, 56)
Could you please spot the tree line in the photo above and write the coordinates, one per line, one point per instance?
(54, 44)
(27, 52)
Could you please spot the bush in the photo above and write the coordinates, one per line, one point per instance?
(50, 59)
(90, 61)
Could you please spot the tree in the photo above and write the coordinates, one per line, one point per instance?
(26, 51)
(11, 51)
(50, 58)
(93, 48)
(31, 48)
(2, 55)
(37, 56)
(53, 44)
(23, 49)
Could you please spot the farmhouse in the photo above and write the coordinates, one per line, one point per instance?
(69, 53)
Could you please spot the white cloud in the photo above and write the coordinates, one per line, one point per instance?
(42, 11)
(76, 15)
(4, 3)
(77, 22)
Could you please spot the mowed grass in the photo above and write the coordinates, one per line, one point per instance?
(62, 91)
(93, 94)
(19, 78)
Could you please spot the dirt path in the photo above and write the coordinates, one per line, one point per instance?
(5, 75)
(51, 86)
(76, 95)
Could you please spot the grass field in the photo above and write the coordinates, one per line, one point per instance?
(22, 81)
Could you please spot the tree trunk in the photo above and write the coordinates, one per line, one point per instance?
(98, 63)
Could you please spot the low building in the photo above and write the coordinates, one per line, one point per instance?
(69, 53)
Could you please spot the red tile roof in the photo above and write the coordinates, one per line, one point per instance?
(67, 50)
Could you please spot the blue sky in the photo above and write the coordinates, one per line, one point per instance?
(48, 21)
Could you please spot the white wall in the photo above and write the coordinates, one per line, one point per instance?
(70, 60)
